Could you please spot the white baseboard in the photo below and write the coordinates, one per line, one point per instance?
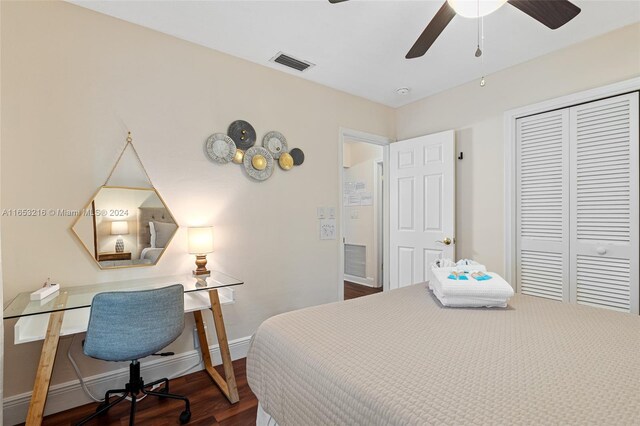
(67, 395)
(369, 282)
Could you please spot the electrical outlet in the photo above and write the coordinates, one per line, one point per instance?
(196, 341)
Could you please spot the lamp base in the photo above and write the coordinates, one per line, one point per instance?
(119, 245)
(201, 262)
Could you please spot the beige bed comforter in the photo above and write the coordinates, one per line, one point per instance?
(400, 358)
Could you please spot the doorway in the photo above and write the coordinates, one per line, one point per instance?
(363, 214)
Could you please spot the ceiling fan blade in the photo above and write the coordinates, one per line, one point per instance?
(336, 1)
(552, 13)
(433, 30)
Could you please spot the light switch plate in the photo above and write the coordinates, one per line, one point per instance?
(320, 213)
(332, 212)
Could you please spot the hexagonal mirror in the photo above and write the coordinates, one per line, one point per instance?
(124, 227)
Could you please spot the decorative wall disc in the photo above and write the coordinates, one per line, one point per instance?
(298, 156)
(239, 156)
(242, 133)
(275, 143)
(259, 162)
(285, 161)
(262, 167)
(220, 148)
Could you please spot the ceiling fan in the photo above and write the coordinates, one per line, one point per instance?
(552, 13)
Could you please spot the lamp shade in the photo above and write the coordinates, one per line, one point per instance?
(475, 8)
(119, 227)
(200, 240)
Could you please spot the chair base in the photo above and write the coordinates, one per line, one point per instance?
(135, 386)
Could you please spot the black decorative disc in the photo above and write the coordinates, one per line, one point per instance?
(298, 156)
(242, 133)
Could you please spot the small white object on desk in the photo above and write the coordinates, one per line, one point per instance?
(46, 291)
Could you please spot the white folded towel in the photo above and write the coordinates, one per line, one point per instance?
(448, 265)
(494, 292)
(443, 263)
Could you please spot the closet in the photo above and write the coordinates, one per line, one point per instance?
(577, 204)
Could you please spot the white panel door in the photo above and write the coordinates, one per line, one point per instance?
(422, 206)
(542, 145)
(604, 203)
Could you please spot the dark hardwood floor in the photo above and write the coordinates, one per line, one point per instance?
(208, 405)
(353, 290)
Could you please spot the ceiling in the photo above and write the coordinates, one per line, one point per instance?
(359, 46)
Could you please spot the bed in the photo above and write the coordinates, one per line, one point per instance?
(400, 358)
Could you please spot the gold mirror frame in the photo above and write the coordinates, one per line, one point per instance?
(144, 221)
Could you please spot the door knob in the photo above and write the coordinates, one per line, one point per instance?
(601, 250)
(446, 241)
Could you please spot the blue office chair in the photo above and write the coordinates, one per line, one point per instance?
(129, 325)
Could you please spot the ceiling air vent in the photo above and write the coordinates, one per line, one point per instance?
(291, 62)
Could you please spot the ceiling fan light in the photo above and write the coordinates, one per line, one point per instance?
(475, 8)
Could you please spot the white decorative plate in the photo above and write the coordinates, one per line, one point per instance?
(275, 143)
(220, 148)
(248, 163)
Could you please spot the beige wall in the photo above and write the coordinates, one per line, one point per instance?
(74, 82)
(476, 113)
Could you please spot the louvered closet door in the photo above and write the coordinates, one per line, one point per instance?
(543, 205)
(604, 203)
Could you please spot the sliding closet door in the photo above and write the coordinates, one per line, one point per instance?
(543, 205)
(604, 203)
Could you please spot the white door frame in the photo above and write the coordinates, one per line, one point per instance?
(359, 136)
(510, 117)
(379, 240)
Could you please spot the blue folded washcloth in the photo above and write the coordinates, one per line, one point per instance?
(460, 276)
(482, 277)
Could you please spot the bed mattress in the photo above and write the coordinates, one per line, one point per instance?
(401, 358)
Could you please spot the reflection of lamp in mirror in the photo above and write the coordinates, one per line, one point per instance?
(201, 243)
(119, 228)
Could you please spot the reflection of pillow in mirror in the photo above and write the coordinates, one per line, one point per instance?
(163, 232)
(152, 230)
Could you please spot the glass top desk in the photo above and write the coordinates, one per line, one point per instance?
(67, 312)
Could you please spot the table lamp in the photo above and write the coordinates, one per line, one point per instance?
(119, 228)
(201, 243)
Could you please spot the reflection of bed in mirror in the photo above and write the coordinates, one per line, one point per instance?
(126, 227)
(155, 229)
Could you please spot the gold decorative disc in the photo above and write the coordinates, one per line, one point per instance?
(259, 162)
(239, 157)
(285, 161)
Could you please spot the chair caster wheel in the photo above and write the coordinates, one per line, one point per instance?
(185, 416)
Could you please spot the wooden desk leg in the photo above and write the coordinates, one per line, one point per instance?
(227, 384)
(45, 368)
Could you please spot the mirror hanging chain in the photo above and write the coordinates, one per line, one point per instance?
(129, 142)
